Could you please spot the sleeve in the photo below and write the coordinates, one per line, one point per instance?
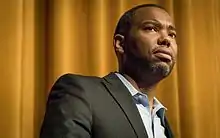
(68, 113)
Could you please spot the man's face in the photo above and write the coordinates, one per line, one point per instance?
(151, 42)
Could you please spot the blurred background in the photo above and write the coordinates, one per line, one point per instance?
(43, 39)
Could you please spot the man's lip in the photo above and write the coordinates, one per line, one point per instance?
(162, 53)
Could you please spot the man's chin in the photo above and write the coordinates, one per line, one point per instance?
(162, 69)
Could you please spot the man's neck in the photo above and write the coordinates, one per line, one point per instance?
(148, 90)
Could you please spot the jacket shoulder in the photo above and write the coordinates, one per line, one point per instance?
(77, 78)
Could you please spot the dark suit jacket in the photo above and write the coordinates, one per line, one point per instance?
(92, 107)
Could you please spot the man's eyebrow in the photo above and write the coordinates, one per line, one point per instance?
(154, 21)
(172, 28)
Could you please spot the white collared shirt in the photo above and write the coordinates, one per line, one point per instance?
(147, 117)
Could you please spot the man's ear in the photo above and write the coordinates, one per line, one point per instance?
(119, 43)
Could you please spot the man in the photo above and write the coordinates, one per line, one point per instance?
(121, 104)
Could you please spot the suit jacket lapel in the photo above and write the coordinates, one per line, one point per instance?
(168, 131)
(164, 123)
(124, 99)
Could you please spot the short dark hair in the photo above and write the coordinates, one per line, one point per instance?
(125, 22)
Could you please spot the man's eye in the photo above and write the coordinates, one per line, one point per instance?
(173, 35)
(150, 28)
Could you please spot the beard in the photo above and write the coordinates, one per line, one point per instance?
(141, 68)
(162, 69)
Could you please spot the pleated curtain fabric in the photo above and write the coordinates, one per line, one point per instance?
(43, 39)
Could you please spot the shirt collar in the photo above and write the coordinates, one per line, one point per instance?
(133, 91)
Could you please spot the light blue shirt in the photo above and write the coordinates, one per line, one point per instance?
(147, 117)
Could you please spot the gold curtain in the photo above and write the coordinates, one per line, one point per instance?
(42, 39)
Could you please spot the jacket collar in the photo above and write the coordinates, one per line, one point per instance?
(125, 101)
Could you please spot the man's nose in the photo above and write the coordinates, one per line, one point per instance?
(163, 40)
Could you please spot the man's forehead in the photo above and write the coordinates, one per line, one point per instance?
(152, 13)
